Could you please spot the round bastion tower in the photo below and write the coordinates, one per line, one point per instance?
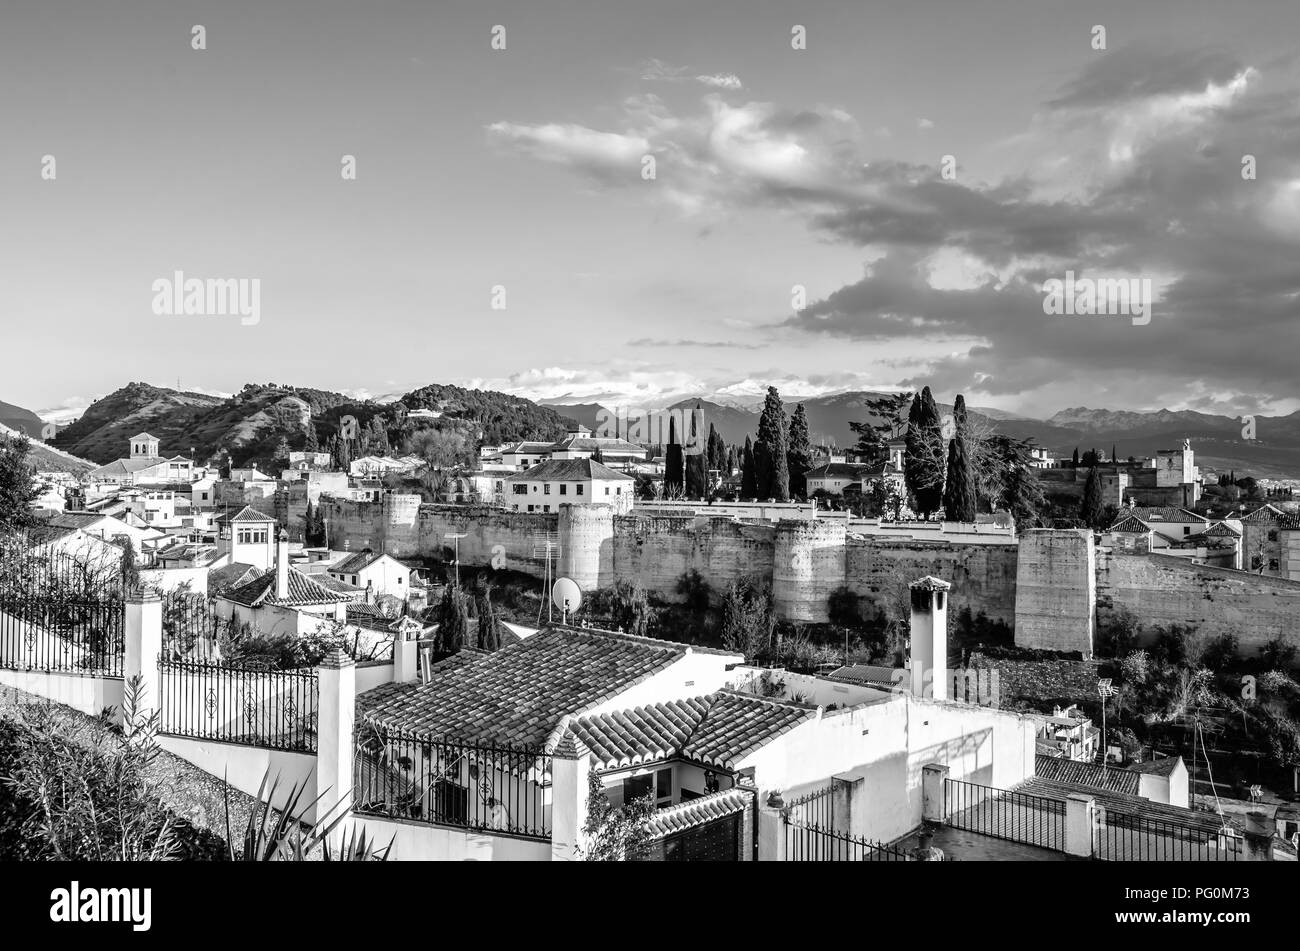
(587, 544)
(807, 565)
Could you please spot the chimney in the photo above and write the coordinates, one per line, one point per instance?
(930, 638)
(282, 565)
(370, 592)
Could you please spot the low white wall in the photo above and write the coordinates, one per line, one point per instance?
(85, 692)
(421, 842)
(169, 579)
(371, 675)
(244, 766)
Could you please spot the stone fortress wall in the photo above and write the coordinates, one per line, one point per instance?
(1054, 586)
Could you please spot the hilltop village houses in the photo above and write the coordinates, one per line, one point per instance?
(485, 752)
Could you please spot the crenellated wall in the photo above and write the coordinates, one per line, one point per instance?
(1050, 586)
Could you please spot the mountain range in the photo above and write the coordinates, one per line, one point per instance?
(249, 425)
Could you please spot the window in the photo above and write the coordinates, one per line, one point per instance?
(1256, 562)
(618, 490)
(546, 490)
(399, 580)
(546, 508)
(520, 489)
(607, 490)
(564, 489)
(530, 508)
(1272, 564)
(578, 490)
(1272, 534)
(1187, 529)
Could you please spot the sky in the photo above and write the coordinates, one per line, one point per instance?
(798, 229)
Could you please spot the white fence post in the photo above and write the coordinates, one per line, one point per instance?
(1080, 822)
(336, 714)
(570, 764)
(933, 778)
(143, 636)
(772, 828)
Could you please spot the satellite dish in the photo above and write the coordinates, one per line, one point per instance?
(566, 595)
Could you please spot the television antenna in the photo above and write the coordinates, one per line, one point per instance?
(546, 544)
(455, 538)
(1105, 689)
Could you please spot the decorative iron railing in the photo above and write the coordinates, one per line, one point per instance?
(1129, 838)
(276, 709)
(472, 786)
(1004, 814)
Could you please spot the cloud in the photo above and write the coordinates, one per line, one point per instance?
(721, 81)
(1132, 169)
(726, 344)
(924, 123)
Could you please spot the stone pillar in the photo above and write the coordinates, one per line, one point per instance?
(406, 660)
(933, 777)
(842, 802)
(771, 829)
(336, 713)
(143, 636)
(1257, 838)
(570, 765)
(929, 638)
(748, 826)
(1081, 816)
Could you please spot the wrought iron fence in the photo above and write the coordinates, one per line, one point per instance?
(1128, 838)
(58, 634)
(60, 611)
(472, 786)
(276, 709)
(1004, 814)
(191, 627)
(814, 808)
(813, 843)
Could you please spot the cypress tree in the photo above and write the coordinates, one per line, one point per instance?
(674, 474)
(799, 455)
(773, 467)
(1075, 462)
(959, 486)
(312, 443)
(748, 473)
(697, 476)
(924, 463)
(1091, 510)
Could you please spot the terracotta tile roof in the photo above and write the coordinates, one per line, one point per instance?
(1130, 523)
(844, 470)
(246, 514)
(524, 692)
(303, 591)
(1112, 778)
(1265, 513)
(1162, 766)
(354, 563)
(696, 812)
(606, 444)
(868, 674)
(1124, 804)
(1162, 514)
(1224, 529)
(234, 574)
(719, 729)
(568, 470)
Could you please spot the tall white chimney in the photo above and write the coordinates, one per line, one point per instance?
(930, 638)
(282, 565)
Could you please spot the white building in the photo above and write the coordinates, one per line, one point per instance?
(544, 487)
(144, 466)
(247, 537)
(382, 573)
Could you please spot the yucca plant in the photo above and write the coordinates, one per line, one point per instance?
(288, 840)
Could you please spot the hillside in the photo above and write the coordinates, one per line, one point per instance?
(250, 425)
(46, 458)
(502, 418)
(21, 420)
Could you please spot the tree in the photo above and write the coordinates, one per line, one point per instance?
(923, 463)
(17, 488)
(610, 834)
(130, 571)
(1075, 461)
(1091, 509)
(454, 626)
(799, 453)
(773, 470)
(312, 443)
(748, 473)
(697, 474)
(874, 437)
(489, 628)
(748, 618)
(674, 465)
(959, 486)
(440, 448)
